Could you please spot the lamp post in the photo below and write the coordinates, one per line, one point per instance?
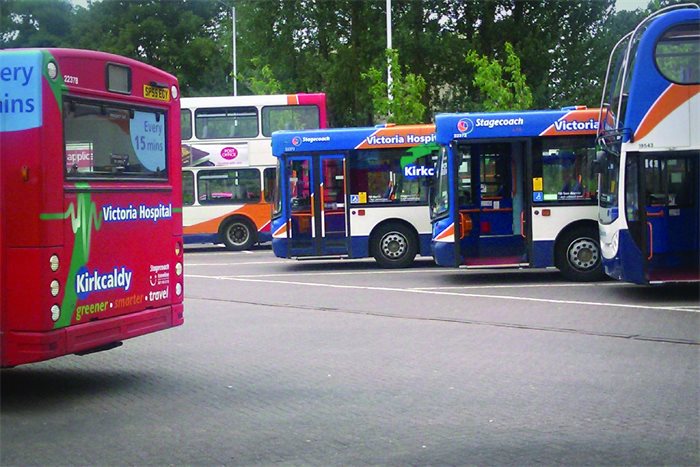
(233, 58)
(388, 46)
(233, 46)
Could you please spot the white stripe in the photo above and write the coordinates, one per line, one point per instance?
(455, 294)
(237, 263)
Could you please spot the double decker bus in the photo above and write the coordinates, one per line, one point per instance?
(650, 189)
(354, 193)
(228, 169)
(90, 196)
(516, 189)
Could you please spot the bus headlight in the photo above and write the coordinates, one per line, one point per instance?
(55, 312)
(178, 289)
(173, 91)
(178, 269)
(55, 288)
(54, 263)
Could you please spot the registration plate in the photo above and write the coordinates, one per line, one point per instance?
(159, 94)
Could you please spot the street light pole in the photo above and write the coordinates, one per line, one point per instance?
(388, 46)
(233, 39)
(233, 46)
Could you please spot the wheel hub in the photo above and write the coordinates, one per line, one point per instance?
(583, 254)
(393, 245)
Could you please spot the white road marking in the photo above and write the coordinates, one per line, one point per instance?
(237, 263)
(437, 292)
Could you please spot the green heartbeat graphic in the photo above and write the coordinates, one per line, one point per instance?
(82, 221)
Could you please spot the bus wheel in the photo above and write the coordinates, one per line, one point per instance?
(579, 255)
(238, 234)
(394, 246)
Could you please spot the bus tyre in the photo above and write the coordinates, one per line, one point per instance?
(579, 255)
(238, 234)
(394, 246)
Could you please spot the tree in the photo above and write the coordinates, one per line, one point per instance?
(262, 80)
(404, 106)
(35, 23)
(326, 45)
(187, 39)
(499, 92)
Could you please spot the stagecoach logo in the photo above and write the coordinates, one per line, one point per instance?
(229, 153)
(296, 141)
(465, 126)
(95, 281)
(159, 274)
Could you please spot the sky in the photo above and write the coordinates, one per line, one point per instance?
(630, 4)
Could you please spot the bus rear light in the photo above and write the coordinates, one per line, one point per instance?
(54, 263)
(178, 289)
(55, 313)
(178, 269)
(173, 91)
(546, 212)
(52, 70)
(178, 248)
(55, 288)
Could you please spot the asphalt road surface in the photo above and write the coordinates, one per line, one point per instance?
(343, 363)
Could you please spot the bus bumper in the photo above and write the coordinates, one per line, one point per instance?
(629, 255)
(280, 247)
(27, 347)
(444, 253)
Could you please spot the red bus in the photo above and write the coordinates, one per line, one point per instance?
(90, 203)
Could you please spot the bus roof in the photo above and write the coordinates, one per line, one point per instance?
(649, 88)
(467, 126)
(73, 61)
(343, 139)
(268, 99)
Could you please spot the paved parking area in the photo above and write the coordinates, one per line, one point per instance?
(343, 363)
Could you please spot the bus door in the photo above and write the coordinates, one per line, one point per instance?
(490, 222)
(317, 205)
(331, 230)
(666, 230)
(301, 211)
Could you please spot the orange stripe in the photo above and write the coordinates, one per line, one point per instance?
(575, 116)
(446, 233)
(281, 230)
(259, 214)
(675, 96)
(403, 130)
(292, 99)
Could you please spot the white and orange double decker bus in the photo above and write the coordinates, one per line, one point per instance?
(228, 168)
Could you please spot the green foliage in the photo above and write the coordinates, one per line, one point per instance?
(261, 79)
(35, 23)
(326, 46)
(503, 86)
(404, 106)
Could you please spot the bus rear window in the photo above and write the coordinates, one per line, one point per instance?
(109, 141)
(226, 122)
(289, 117)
